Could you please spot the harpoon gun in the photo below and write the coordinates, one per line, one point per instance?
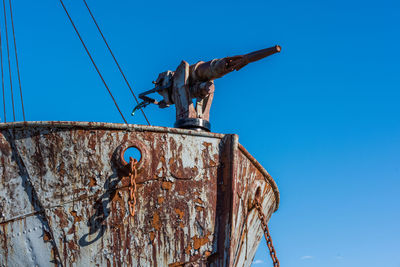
(196, 81)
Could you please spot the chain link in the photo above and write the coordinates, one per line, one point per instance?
(132, 186)
(268, 238)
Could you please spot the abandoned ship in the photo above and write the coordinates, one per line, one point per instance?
(69, 196)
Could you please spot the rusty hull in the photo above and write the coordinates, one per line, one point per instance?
(64, 193)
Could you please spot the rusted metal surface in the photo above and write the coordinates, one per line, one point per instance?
(196, 81)
(216, 68)
(64, 197)
(132, 185)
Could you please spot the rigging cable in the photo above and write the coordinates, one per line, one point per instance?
(8, 56)
(16, 60)
(2, 79)
(115, 60)
(94, 64)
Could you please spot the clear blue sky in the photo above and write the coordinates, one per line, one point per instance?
(323, 117)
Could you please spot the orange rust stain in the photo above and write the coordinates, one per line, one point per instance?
(196, 193)
(200, 241)
(198, 200)
(194, 170)
(176, 264)
(181, 225)
(187, 250)
(244, 235)
(152, 236)
(207, 253)
(46, 236)
(61, 169)
(167, 185)
(250, 204)
(216, 157)
(206, 144)
(62, 216)
(117, 197)
(71, 230)
(92, 182)
(76, 217)
(162, 159)
(160, 200)
(72, 245)
(180, 213)
(156, 221)
(182, 193)
(199, 208)
(78, 190)
(53, 253)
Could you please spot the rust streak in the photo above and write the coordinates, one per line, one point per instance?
(152, 236)
(160, 200)
(156, 221)
(200, 241)
(92, 182)
(180, 213)
(167, 185)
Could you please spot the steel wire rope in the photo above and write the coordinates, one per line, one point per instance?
(8, 56)
(115, 59)
(2, 78)
(91, 59)
(16, 60)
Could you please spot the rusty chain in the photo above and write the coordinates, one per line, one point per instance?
(268, 238)
(132, 185)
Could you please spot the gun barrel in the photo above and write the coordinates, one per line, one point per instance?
(260, 54)
(214, 69)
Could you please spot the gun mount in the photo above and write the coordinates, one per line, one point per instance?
(196, 81)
